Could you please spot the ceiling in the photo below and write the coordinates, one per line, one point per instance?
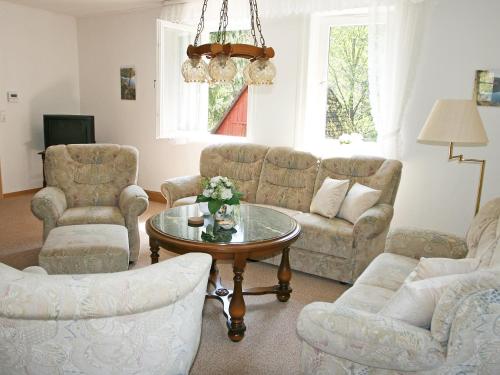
(82, 8)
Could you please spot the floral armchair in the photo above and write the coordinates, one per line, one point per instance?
(91, 184)
(144, 321)
(349, 337)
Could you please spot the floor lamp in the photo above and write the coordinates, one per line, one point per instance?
(456, 122)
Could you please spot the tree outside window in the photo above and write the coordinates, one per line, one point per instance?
(348, 105)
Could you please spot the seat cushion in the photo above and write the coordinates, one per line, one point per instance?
(365, 297)
(326, 236)
(387, 271)
(286, 211)
(91, 215)
(86, 248)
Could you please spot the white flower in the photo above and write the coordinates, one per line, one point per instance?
(226, 194)
(207, 193)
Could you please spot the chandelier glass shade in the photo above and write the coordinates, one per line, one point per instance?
(221, 68)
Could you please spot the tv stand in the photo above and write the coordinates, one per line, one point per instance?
(42, 154)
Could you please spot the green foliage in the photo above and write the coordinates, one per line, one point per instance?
(348, 104)
(214, 188)
(221, 96)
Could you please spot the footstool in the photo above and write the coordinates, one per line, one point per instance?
(87, 248)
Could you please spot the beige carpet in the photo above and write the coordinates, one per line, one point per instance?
(270, 346)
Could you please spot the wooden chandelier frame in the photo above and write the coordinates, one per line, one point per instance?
(246, 51)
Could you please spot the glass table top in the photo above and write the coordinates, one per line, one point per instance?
(253, 224)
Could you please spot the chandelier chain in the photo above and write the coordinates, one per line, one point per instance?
(201, 24)
(223, 21)
(257, 21)
(252, 23)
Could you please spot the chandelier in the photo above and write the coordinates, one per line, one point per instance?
(221, 68)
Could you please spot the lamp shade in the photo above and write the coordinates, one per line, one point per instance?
(456, 121)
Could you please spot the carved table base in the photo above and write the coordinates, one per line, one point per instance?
(233, 303)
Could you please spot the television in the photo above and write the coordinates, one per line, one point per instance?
(68, 129)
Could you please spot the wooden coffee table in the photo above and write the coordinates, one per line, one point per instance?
(260, 232)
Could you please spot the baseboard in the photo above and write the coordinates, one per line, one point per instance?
(155, 196)
(22, 192)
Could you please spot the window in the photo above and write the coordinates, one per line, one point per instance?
(348, 111)
(191, 110)
(336, 119)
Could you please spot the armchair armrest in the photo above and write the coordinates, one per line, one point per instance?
(181, 187)
(373, 221)
(417, 243)
(133, 201)
(369, 339)
(48, 205)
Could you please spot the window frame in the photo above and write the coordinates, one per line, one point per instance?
(315, 101)
(182, 136)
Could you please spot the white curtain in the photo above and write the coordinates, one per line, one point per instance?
(395, 29)
(189, 13)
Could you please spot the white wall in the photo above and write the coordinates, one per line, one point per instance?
(39, 60)
(107, 42)
(459, 38)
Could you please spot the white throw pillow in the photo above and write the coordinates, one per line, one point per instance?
(329, 197)
(359, 199)
(414, 302)
(433, 267)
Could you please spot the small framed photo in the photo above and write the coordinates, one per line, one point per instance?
(127, 82)
(487, 87)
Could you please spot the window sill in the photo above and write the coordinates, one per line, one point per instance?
(197, 137)
(333, 148)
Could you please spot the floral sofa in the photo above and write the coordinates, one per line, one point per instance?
(286, 180)
(349, 337)
(91, 184)
(145, 321)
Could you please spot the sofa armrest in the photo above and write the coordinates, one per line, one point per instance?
(133, 201)
(50, 202)
(369, 339)
(417, 243)
(181, 187)
(48, 205)
(93, 296)
(374, 221)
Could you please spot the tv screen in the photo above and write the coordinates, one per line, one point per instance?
(68, 129)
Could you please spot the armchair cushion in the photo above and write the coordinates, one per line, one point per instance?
(184, 201)
(48, 205)
(369, 339)
(91, 215)
(417, 243)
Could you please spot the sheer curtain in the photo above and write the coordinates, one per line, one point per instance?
(395, 29)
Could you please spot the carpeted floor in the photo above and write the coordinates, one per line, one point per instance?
(270, 345)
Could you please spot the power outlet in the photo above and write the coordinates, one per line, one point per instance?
(3, 116)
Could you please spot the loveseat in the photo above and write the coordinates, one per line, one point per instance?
(91, 184)
(354, 336)
(286, 180)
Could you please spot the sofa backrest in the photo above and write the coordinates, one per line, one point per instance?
(287, 179)
(377, 173)
(91, 174)
(241, 162)
(483, 237)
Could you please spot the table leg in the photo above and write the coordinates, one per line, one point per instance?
(237, 305)
(284, 277)
(154, 246)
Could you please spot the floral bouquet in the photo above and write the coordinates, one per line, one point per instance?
(218, 191)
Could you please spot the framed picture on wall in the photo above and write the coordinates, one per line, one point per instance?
(127, 82)
(487, 87)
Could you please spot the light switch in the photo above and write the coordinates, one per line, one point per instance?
(12, 97)
(3, 116)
